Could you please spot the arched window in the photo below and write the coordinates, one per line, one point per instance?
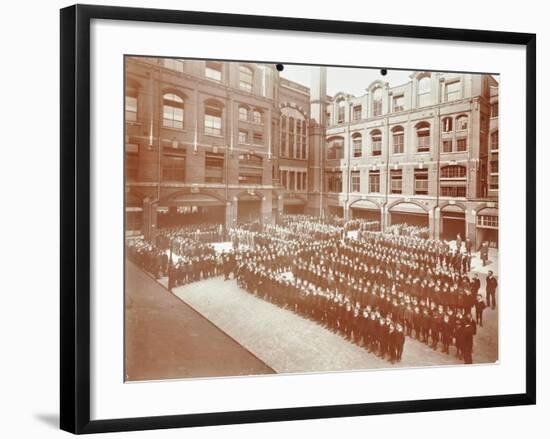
(398, 139)
(341, 111)
(377, 102)
(494, 141)
(335, 149)
(357, 145)
(462, 122)
(453, 181)
(447, 124)
(172, 110)
(257, 116)
(422, 137)
(424, 84)
(376, 142)
(243, 113)
(245, 78)
(213, 111)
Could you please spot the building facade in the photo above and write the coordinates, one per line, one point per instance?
(231, 142)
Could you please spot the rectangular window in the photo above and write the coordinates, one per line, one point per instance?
(284, 178)
(173, 169)
(494, 109)
(304, 181)
(453, 191)
(447, 145)
(214, 168)
(355, 181)
(213, 70)
(461, 145)
(423, 139)
(376, 145)
(494, 141)
(357, 147)
(421, 182)
(245, 79)
(213, 121)
(250, 169)
(398, 103)
(493, 182)
(291, 180)
(173, 64)
(490, 221)
(494, 166)
(131, 108)
(172, 116)
(396, 181)
(452, 91)
(243, 136)
(132, 161)
(357, 110)
(374, 181)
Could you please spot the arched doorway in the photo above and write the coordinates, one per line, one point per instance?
(453, 222)
(185, 209)
(365, 209)
(408, 213)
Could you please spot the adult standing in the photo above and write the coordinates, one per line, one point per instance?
(491, 289)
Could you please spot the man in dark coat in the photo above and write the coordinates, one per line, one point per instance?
(491, 289)
(468, 332)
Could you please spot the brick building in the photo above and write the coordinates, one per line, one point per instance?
(229, 142)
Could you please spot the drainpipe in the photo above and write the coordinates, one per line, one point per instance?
(438, 115)
(348, 135)
(387, 139)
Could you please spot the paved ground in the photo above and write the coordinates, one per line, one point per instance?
(231, 332)
(289, 343)
(165, 338)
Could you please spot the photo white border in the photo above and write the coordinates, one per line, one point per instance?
(112, 398)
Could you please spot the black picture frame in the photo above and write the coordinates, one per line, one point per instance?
(75, 217)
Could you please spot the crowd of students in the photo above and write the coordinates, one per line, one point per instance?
(405, 229)
(374, 289)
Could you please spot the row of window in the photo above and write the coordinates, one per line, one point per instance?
(244, 115)
(452, 181)
(213, 70)
(335, 147)
(173, 115)
(245, 138)
(452, 91)
(295, 181)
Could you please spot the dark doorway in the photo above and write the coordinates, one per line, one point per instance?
(413, 219)
(249, 211)
(452, 224)
(178, 216)
(293, 209)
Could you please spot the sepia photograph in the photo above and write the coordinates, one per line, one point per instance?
(285, 218)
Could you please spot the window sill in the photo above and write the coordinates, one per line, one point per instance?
(178, 130)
